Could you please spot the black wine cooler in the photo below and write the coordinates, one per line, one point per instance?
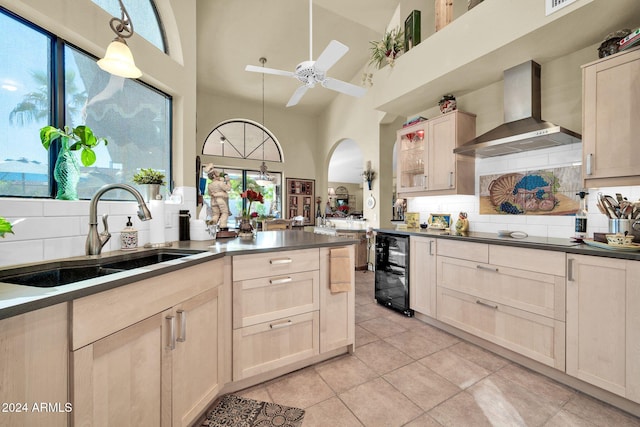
(392, 272)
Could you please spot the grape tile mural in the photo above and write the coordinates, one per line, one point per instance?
(538, 192)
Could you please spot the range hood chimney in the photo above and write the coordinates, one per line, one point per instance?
(523, 130)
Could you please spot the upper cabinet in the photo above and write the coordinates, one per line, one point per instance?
(426, 162)
(610, 125)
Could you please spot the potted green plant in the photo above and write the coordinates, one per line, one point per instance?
(152, 179)
(386, 50)
(67, 169)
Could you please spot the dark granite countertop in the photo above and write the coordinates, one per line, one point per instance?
(533, 242)
(17, 299)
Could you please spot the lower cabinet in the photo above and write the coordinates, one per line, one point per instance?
(422, 275)
(603, 318)
(34, 368)
(161, 370)
(515, 300)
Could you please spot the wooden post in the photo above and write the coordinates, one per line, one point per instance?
(444, 13)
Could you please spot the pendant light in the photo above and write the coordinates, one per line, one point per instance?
(264, 178)
(118, 60)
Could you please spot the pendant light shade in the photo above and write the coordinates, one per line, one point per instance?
(119, 60)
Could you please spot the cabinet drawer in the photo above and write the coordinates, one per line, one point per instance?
(538, 293)
(270, 345)
(531, 335)
(472, 251)
(274, 263)
(542, 261)
(269, 298)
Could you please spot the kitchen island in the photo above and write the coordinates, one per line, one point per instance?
(564, 309)
(168, 338)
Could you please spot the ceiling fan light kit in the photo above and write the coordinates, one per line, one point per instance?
(311, 72)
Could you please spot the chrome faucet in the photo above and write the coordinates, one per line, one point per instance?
(96, 241)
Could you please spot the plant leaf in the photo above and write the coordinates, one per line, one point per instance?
(48, 134)
(5, 227)
(88, 156)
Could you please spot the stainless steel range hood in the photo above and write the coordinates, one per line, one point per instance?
(523, 129)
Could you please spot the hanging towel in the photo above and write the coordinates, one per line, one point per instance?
(340, 278)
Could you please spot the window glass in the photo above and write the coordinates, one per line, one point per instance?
(242, 139)
(143, 16)
(134, 118)
(25, 102)
(242, 180)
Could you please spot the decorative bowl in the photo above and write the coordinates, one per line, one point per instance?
(424, 225)
(619, 239)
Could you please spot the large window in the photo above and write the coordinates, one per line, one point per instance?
(133, 117)
(144, 17)
(242, 180)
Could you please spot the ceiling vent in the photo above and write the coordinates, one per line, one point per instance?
(551, 6)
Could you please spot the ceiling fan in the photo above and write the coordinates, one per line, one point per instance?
(311, 72)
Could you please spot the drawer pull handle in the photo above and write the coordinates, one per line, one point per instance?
(182, 336)
(280, 261)
(172, 332)
(495, 307)
(280, 281)
(280, 325)
(482, 267)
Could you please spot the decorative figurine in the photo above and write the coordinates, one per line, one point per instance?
(462, 224)
(219, 191)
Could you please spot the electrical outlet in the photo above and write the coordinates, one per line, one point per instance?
(167, 219)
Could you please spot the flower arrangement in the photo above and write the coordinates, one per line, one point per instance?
(149, 176)
(368, 175)
(251, 196)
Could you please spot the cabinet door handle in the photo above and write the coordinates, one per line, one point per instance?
(280, 281)
(182, 335)
(482, 267)
(425, 181)
(570, 270)
(280, 261)
(280, 325)
(486, 304)
(450, 179)
(172, 332)
(430, 247)
(589, 162)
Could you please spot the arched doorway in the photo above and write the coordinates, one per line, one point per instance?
(344, 178)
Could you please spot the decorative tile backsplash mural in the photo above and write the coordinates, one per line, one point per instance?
(540, 192)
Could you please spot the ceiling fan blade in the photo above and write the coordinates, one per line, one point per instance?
(265, 70)
(297, 95)
(344, 87)
(331, 54)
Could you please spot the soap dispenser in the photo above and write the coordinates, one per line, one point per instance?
(129, 237)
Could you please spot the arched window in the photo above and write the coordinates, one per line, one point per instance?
(144, 16)
(242, 139)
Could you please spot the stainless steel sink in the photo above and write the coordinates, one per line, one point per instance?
(59, 273)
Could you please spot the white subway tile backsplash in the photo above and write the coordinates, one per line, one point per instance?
(57, 229)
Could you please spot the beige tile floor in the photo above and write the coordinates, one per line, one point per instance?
(407, 373)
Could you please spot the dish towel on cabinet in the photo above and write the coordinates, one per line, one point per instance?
(340, 277)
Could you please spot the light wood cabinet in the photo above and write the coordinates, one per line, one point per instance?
(426, 162)
(337, 310)
(276, 310)
(610, 125)
(157, 356)
(422, 275)
(603, 314)
(515, 300)
(34, 366)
